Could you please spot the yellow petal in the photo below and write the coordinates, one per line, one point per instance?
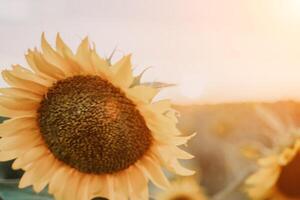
(268, 161)
(21, 72)
(121, 185)
(76, 68)
(68, 55)
(99, 186)
(171, 162)
(159, 124)
(30, 58)
(58, 181)
(27, 179)
(14, 125)
(100, 64)
(9, 155)
(29, 157)
(47, 68)
(176, 167)
(83, 57)
(43, 182)
(137, 183)
(6, 112)
(20, 93)
(39, 186)
(19, 103)
(28, 167)
(123, 61)
(111, 191)
(123, 72)
(153, 172)
(55, 182)
(72, 186)
(173, 115)
(54, 58)
(161, 106)
(62, 48)
(286, 156)
(41, 167)
(180, 154)
(21, 141)
(83, 191)
(181, 140)
(19, 82)
(259, 178)
(259, 193)
(142, 93)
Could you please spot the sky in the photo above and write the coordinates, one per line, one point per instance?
(215, 51)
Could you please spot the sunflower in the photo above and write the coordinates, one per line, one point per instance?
(183, 189)
(87, 128)
(278, 174)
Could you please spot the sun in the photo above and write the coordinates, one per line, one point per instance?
(86, 128)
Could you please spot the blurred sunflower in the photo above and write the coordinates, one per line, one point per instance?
(278, 174)
(85, 127)
(183, 189)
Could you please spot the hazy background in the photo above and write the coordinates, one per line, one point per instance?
(215, 50)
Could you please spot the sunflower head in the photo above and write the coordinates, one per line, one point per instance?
(86, 127)
(183, 189)
(83, 115)
(278, 176)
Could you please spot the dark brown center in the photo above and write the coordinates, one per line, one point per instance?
(181, 197)
(289, 179)
(92, 126)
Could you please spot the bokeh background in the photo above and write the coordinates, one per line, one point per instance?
(225, 57)
(214, 50)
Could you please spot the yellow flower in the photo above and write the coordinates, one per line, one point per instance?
(183, 189)
(87, 128)
(278, 174)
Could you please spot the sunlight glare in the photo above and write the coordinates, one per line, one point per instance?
(191, 86)
(291, 9)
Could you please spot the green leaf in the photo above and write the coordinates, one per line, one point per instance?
(9, 191)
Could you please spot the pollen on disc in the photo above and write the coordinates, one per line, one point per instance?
(92, 126)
